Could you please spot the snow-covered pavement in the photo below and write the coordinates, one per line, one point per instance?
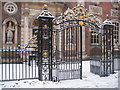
(89, 81)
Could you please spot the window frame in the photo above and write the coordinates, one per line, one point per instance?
(116, 32)
(96, 38)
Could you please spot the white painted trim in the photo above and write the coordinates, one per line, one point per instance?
(10, 19)
(10, 4)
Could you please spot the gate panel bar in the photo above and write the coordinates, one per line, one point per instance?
(81, 52)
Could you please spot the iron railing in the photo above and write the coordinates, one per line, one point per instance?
(17, 64)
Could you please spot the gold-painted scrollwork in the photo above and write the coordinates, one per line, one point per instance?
(78, 15)
(31, 44)
(69, 14)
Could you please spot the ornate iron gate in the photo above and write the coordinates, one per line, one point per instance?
(67, 35)
(69, 53)
(55, 51)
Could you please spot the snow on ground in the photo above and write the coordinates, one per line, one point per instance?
(89, 80)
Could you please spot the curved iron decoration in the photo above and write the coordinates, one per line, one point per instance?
(32, 43)
(77, 16)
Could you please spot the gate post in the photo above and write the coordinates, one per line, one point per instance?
(108, 48)
(81, 52)
(45, 45)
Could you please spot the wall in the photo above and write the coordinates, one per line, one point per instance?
(106, 9)
(0, 24)
(16, 16)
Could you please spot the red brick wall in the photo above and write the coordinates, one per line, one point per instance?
(17, 16)
(87, 41)
(106, 9)
(87, 34)
(72, 4)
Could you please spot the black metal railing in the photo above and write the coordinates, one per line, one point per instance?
(17, 64)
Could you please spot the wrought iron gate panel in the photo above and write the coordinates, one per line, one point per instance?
(69, 26)
(69, 52)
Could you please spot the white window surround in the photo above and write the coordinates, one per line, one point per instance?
(95, 37)
(117, 32)
(114, 13)
(10, 8)
(115, 1)
(95, 9)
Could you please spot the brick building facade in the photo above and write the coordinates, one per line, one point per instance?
(22, 16)
(101, 9)
(23, 21)
(91, 40)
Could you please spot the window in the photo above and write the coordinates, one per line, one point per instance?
(96, 3)
(10, 8)
(114, 1)
(94, 38)
(116, 32)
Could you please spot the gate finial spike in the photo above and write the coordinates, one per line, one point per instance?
(45, 7)
(78, 4)
(107, 16)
